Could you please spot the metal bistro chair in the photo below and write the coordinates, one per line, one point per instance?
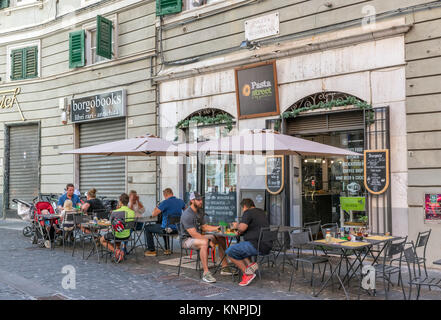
(101, 214)
(167, 234)
(78, 233)
(412, 258)
(268, 234)
(315, 228)
(128, 225)
(182, 249)
(299, 239)
(66, 232)
(282, 245)
(421, 242)
(170, 234)
(385, 270)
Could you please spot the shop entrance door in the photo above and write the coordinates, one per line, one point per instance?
(326, 180)
(23, 164)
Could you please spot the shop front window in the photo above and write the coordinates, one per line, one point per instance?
(213, 176)
(331, 184)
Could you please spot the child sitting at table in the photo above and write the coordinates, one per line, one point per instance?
(67, 222)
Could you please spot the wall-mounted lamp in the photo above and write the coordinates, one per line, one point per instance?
(250, 45)
(63, 106)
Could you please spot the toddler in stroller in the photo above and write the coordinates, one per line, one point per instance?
(48, 227)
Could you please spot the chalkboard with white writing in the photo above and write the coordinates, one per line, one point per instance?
(220, 207)
(376, 170)
(274, 174)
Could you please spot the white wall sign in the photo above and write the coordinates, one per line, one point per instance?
(262, 27)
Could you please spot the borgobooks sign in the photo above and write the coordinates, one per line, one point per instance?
(256, 90)
(101, 106)
(376, 171)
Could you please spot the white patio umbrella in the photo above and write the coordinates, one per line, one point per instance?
(147, 145)
(263, 142)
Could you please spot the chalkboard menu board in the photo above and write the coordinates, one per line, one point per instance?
(376, 170)
(257, 90)
(220, 207)
(274, 166)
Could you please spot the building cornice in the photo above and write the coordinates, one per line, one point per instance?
(327, 41)
(67, 21)
(113, 63)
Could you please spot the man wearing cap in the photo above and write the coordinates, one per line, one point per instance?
(193, 224)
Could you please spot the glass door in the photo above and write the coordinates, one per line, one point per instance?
(327, 180)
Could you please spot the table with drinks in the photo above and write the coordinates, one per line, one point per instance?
(95, 226)
(226, 231)
(359, 243)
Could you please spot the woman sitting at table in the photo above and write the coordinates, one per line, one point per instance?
(94, 206)
(137, 207)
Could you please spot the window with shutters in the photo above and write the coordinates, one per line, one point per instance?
(23, 62)
(76, 49)
(4, 4)
(95, 35)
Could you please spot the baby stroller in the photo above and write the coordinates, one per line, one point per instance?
(41, 230)
(45, 228)
(25, 212)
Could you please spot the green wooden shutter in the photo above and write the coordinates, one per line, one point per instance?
(104, 37)
(31, 62)
(76, 49)
(17, 67)
(164, 7)
(4, 4)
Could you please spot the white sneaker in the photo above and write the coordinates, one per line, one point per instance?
(208, 277)
(47, 244)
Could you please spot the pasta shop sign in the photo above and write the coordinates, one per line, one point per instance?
(256, 90)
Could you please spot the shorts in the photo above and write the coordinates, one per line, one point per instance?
(189, 244)
(109, 236)
(242, 250)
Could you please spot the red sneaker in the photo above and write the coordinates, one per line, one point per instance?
(251, 268)
(119, 255)
(246, 279)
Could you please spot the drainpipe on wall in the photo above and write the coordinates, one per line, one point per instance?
(154, 84)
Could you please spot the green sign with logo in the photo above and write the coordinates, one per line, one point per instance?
(353, 203)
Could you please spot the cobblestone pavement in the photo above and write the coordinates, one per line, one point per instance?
(30, 272)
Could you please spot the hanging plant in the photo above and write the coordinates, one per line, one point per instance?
(331, 104)
(221, 118)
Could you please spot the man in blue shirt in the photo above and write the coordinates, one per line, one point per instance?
(171, 206)
(68, 195)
